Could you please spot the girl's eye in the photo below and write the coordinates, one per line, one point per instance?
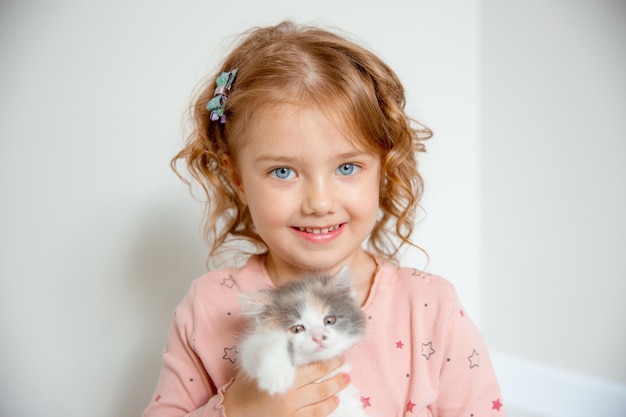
(297, 329)
(283, 173)
(329, 320)
(347, 169)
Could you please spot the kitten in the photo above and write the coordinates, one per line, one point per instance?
(309, 320)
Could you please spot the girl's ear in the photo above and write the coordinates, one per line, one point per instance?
(233, 175)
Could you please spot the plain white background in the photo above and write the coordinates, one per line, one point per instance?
(553, 143)
(99, 240)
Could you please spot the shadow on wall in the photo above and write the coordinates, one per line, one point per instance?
(168, 255)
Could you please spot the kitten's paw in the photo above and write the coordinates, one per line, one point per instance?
(277, 380)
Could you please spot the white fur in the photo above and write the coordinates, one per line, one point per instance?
(264, 356)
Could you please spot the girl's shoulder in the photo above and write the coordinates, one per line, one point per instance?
(212, 282)
(231, 280)
(413, 281)
(214, 296)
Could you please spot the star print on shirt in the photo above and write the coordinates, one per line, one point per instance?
(409, 407)
(228, 282)
(366, 402)
(496, 405)
(425, 277)
(399, 344)
(230, 354)
(426, 353)
(474, 359)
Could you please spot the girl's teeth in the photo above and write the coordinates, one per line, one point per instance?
(318, 231)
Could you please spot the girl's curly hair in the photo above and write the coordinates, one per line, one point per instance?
(305, 65)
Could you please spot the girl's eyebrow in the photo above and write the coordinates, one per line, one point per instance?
(354, 154)
(275, 158)
(290, 159)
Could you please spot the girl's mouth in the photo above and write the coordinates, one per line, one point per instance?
(319, 234)
(317, 231)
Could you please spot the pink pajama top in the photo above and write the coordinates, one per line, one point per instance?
(421, 355)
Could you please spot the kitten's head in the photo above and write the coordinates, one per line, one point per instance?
(318, 315)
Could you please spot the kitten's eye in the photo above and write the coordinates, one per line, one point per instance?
(283, 173)
(297, 329)
(347, 169)
(330, 320)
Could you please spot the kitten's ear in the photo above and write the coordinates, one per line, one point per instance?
(253, 303)
(343, 278)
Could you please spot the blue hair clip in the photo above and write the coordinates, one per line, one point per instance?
(218, 102)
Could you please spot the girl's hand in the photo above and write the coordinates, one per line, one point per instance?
(305, 398)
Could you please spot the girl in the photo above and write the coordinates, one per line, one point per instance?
(303, 148)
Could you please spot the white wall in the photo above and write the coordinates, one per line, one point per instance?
(99, 240)
(553, 202)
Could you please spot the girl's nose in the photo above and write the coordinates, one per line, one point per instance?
(318, 199)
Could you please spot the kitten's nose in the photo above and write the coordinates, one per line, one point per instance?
(318, 337)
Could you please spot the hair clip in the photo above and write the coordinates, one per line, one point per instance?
(218, 102)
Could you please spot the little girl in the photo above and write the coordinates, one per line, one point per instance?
(303, 148)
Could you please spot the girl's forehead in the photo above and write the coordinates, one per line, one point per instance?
(298, 121)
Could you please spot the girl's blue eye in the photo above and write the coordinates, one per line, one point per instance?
(283, 173)
(347, 169)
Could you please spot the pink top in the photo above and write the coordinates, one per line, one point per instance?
(421, 356)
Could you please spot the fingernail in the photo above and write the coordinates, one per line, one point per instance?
(336, 399)
(346, 377)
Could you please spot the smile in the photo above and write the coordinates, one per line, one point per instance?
(318, 231)
(319, 235)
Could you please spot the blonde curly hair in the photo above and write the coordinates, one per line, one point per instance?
(306, 65)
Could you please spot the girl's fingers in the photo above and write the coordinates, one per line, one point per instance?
(321, 409)
(306, 398)
(322, 393)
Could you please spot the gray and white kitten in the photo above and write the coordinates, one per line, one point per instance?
(312, 319)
